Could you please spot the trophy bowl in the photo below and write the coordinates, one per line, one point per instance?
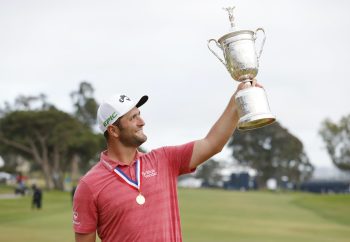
(239, 52)
(241, 59)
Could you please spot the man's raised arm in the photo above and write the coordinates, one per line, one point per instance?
(219, 134)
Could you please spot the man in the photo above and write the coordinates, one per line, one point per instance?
(131, 196)
(37, 197)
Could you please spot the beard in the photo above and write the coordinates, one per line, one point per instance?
(132, 140)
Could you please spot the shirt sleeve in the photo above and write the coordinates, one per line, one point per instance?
(179, 157)
(84, 210)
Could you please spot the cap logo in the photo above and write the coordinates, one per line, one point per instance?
(109, 119)
(122, 97)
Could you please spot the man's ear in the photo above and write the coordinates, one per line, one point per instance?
(113, 131)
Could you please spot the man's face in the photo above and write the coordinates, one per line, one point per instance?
(131, 128)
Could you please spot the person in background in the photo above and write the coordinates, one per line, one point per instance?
(21, 187)
(37, 197)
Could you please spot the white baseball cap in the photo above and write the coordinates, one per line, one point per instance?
(114, 107)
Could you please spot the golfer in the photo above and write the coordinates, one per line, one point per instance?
(132, 196)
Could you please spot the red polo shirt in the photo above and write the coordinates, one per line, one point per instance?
(105, 203)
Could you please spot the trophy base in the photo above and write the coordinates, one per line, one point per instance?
(253, 109)
(254, 121)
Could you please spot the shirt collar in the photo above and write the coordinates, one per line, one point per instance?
(111, 164)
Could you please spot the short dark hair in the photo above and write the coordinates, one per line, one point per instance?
(106, 135)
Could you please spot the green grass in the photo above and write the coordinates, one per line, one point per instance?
(207, 215)
(6, 189)
(18, 222)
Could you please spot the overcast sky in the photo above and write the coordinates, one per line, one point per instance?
(158, 47)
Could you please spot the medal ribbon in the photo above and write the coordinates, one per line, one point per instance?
(134, 184)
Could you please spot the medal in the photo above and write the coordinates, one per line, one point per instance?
(140, 199)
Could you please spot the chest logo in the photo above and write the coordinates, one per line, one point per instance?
(149, 173)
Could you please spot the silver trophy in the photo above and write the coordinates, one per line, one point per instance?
(242, 62)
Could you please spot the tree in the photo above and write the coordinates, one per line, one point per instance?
(26, 103)
(273, 152)
(32, 102)
(50, 138)
(209, 172)
(85, 104)
(336, 136)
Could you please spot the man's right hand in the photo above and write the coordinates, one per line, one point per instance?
(244, 85)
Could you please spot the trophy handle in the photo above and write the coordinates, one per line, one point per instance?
(212, 51)
(263, 41)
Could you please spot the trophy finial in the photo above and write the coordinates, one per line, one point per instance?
(230, 16)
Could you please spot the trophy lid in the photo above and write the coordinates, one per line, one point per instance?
(233, 29)
(231, 18)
